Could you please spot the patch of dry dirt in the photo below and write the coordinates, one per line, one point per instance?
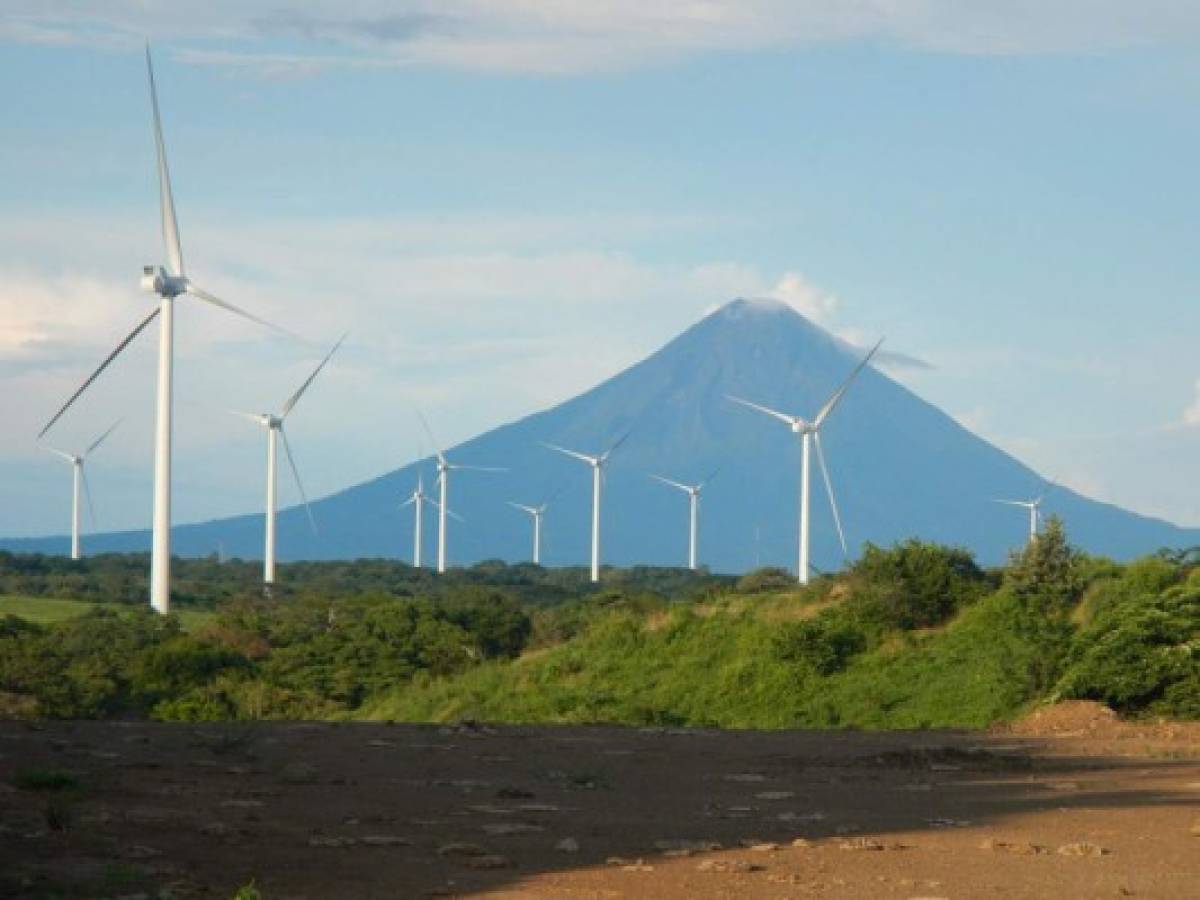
(1049, 808)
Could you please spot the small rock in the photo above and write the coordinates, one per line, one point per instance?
(567, 845)
(683, 847)
(775, 795)
(1082, 848)
(949, 823)
(298, 773)
(1021, 848)
(1194, 831)
(461, 849)
(764, 847)
(739, 866)
(802, 843)
(861, 843)
(384, 840)
(500, 828)
(488, 861)
(320, 840)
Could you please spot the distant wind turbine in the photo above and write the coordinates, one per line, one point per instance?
(79, 479)
(537, 512)
(597, 463)
(167, 282)
(693, 493)
(1035, 509)
(274, 425)
(417, 499)
(444, 467)
(810, 432)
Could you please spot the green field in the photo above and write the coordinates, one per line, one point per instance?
(45, 610)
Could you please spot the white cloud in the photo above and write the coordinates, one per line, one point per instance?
(1191, 415)
(568, 36)
(805, 297)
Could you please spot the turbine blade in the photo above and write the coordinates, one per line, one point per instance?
(104, 365)
(432, 440)
(837, 518)
(782, 417)
(236, 310)
(523, 508)
(287, 449)
(170, 226)
(63, 453)
(291, 401)
(100, 440)
(709, 477)
(613, 449)
(253, 417)
(478, 468)
(87, 492)
(674, 484)
(837, 395)
(1050, 485)
(409, 502)
(1025, 503)
(451, 513)
(582, 456)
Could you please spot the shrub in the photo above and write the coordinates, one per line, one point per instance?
(916, 584)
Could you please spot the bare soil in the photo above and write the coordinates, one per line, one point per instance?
(1071, 803)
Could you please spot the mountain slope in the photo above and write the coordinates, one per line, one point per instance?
(901, 468)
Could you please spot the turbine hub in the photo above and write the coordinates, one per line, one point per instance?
(157, 281)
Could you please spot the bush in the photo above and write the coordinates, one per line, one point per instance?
(825, 644)
(916, 584)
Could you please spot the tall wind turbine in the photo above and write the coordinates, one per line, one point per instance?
(444, 467)
(274, 424)
(166, 282)
(693, 493)
(417, 499)
(537, 512)
(597, 463)
(79, 479)
(1035, 509)
(810, 433)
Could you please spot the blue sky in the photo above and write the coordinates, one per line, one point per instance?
(506, 202)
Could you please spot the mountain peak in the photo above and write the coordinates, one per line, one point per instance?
(756, 306)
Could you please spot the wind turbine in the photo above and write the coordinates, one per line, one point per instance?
(166, 282)
(693, 493)
(1035, 509)
(417, 499)
(274, 425)
(444, 467)
(597, 464)
(79, 478)
(810, 433)
(536, 512)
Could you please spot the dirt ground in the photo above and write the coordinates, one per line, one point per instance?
(1068, 804)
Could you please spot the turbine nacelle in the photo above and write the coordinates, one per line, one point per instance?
(156, 280)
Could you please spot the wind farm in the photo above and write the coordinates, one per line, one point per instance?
(542, 602)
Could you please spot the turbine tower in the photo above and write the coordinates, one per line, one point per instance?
(537, 512)
(166, 282)
(693, 493)
(444, 467)
(274, 425)
(79, 479)
(1035, 509)
(810, 433)
(597, 463)
(417, 499)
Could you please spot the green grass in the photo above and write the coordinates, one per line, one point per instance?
(722, 669)
(47, 610)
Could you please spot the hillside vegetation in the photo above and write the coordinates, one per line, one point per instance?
(912, 636)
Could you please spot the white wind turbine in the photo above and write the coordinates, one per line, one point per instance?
(537, 512)
(693, 493)
(417, 499)
(79, 479)
(444, 467)
(597, 464)
(274, 425)
(810, 432)
(167, 282)
(1035, 509)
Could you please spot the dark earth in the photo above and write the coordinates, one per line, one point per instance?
(1069, 803)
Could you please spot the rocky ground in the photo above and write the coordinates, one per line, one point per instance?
(1070, 803)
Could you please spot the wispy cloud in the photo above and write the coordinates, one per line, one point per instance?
(1191, 415)
(567, 37)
